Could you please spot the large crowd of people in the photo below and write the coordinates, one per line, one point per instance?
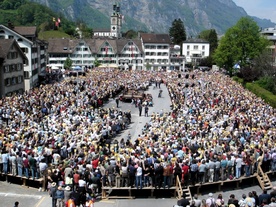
(216, 130)
(252, 199)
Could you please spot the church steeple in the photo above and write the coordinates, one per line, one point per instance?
(116, 21)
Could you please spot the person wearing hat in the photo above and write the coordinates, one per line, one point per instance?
(210, 200)
(59, 195)
(67, 192)
(52, 192)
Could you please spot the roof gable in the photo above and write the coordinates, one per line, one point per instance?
(15, 33)
(5, 47)
(196, 41)
(26, 31)
(155, 38)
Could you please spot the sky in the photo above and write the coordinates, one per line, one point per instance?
(264, 9)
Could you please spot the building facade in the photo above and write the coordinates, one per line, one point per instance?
(194, 50)
(11, 68)
(270, 34)
(33, 49)
(118, 53)
(156, 49)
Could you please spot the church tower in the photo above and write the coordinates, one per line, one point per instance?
(116, 21)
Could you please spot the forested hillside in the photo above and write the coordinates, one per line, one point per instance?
(26, 13)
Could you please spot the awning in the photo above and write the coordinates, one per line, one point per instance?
(77, 68)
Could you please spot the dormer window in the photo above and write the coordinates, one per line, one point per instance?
(65, 48)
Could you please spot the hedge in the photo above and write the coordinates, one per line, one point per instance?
(267, 96)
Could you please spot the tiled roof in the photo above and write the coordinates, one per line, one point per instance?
(155, 38)
(5, 45)
(196, 41)
(62, 45)
(101, 30)
(59, 45)
(25, 31)
(121, 43)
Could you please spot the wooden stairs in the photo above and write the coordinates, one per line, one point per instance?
(263, 179)
(179, 191)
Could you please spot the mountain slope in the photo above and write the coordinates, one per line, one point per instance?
(155, 15)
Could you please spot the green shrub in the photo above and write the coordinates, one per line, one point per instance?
(267, 83)
(267, 96)
(239, 80)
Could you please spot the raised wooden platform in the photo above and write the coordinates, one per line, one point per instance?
(37, 183)
(177, 191)
(131, 193)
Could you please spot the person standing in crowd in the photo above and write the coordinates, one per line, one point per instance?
(19, 161)
(13, 164)
(264, 197)
(52, 193)
(140, 107)
(184, 202)
(238, 165)
(250, 200)
(26, 165)
(166, 176)
(185, 174)
(197, 201)
(210, 200)
(220, 201)
(33, 166)
(67, 193)
(138, 176)
(158, 172)
(5, 160)
(194, 172)
(117, 102)
(233, 200)
(146, 110)
(16, 204)
(242, 201)
(202, 169)
(59, 196)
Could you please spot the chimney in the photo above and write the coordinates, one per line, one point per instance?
(10, 25)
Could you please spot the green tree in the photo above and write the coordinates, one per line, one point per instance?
(177, 32)
(85, 31)
(68, 63)
(212, 37)
(130, 34)
(96, 63)
(241, 43)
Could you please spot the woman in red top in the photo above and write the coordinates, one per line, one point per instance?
(76, 178)
(95, 163)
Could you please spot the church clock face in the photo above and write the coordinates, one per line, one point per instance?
(113, 28)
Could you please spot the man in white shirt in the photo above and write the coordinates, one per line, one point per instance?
(238, 162)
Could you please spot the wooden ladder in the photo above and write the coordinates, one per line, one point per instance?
(179, 191)
(263, 179)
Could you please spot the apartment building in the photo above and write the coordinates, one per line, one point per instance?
(156, 49)
(270, 34)
(195, 49)
(12, 70)
(109, 52)
(33, 49)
